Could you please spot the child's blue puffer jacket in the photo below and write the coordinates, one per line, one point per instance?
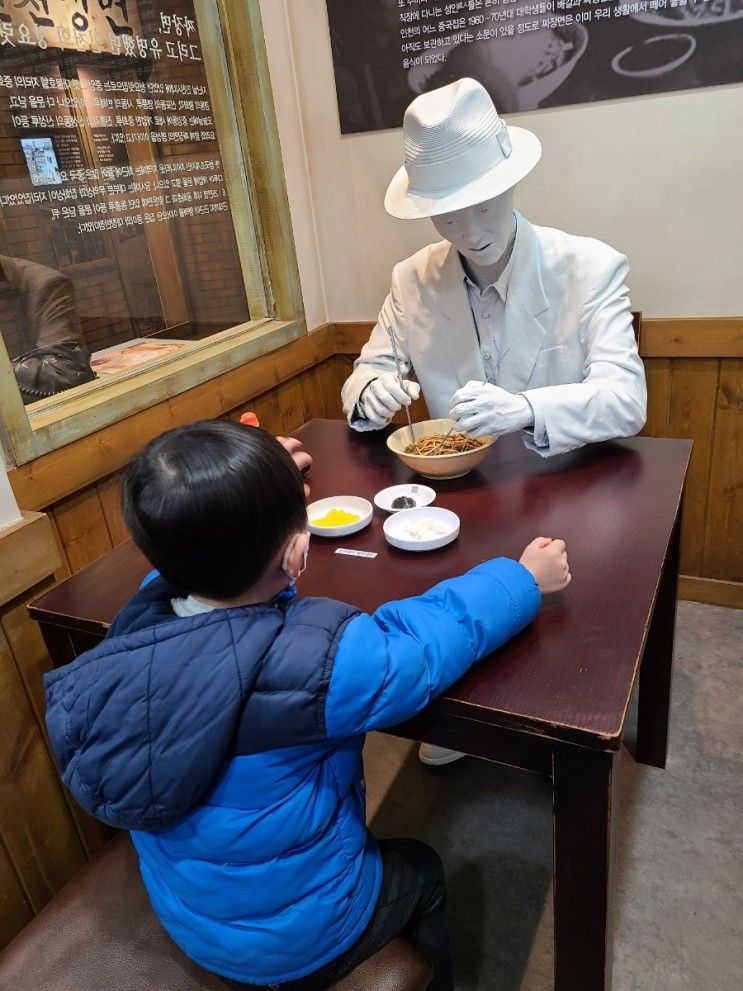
(230, 744)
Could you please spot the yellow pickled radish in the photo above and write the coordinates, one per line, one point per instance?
(336, 517)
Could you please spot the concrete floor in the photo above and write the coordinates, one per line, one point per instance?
(679, 900)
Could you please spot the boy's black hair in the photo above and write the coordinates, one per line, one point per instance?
(210, 505)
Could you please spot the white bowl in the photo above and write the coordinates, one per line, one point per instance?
(397, 523)
(350, 504)
(437, 465)
(423, 496)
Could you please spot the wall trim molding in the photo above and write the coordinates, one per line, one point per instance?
(692, 337)
(350, 336)
(660, 337)
(711, 591)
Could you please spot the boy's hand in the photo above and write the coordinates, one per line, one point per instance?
(301, 458)
(547, 560)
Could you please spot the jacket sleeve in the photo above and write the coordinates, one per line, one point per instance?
(390, 665)
(376, 356)
(611, 400)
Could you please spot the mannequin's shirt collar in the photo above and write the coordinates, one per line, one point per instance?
(501, 283)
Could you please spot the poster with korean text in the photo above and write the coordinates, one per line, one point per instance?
(527, 53)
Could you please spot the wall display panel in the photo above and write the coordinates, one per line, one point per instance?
(116, 228)
(527, 53)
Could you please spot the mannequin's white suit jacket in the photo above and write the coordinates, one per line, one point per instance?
(569, 346)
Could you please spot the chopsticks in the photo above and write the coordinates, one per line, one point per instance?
(446, 436)
(443, 440)
(398, 365)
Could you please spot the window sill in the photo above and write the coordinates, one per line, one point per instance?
(69, 416)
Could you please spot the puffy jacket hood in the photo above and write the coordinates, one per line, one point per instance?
(142, 724)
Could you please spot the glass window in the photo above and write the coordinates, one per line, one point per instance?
(118, 240)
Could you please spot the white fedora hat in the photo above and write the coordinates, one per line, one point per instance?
(458, 152)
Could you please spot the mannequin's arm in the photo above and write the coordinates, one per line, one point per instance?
(376, 359)
(611, 401)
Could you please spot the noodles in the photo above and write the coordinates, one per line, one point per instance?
(436, 444)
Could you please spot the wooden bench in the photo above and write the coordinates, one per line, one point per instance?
(100, 934)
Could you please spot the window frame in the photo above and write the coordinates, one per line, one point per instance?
(236, 65)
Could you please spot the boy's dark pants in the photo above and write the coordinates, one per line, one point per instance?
(411, 904)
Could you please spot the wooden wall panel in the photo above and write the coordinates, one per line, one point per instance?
(15, 910)
(268, 410)
(24, 640)
(109, 494)
(82, 528)
(32, 661)
(341, 370)
(35, 825)
(344, 369)
(723, 547)
(296, 402)
(314, 393)
(658, 376)
(330, 389)
(693, 396)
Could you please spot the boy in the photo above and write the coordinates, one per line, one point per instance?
(222, 719)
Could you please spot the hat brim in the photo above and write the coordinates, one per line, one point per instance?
(526, 150)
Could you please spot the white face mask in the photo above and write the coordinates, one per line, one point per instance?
(285, 560)
(480, 233)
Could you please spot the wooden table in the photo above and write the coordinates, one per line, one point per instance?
(553, 700)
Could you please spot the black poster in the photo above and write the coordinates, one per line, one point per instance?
(545, 53)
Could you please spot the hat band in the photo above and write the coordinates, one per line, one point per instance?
(431, 178)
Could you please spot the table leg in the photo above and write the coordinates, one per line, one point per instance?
(59, 644)
(655, 671)
(585, 807)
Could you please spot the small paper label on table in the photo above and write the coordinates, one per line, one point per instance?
(352, 553)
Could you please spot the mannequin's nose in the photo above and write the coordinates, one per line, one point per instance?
(469, 225)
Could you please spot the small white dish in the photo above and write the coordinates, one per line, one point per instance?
(398, 525)
(423, 496)
(349, 504)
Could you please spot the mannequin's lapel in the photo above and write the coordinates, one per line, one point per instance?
(525, 301)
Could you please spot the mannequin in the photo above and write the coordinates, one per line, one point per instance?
(484, 236)
(504, 326)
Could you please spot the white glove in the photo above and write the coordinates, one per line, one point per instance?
(480, 408)
(384, 396)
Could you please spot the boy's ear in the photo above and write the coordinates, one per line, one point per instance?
(295, 553)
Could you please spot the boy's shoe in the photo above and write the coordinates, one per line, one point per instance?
(429, 753)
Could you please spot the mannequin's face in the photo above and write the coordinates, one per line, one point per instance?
(480, 233)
